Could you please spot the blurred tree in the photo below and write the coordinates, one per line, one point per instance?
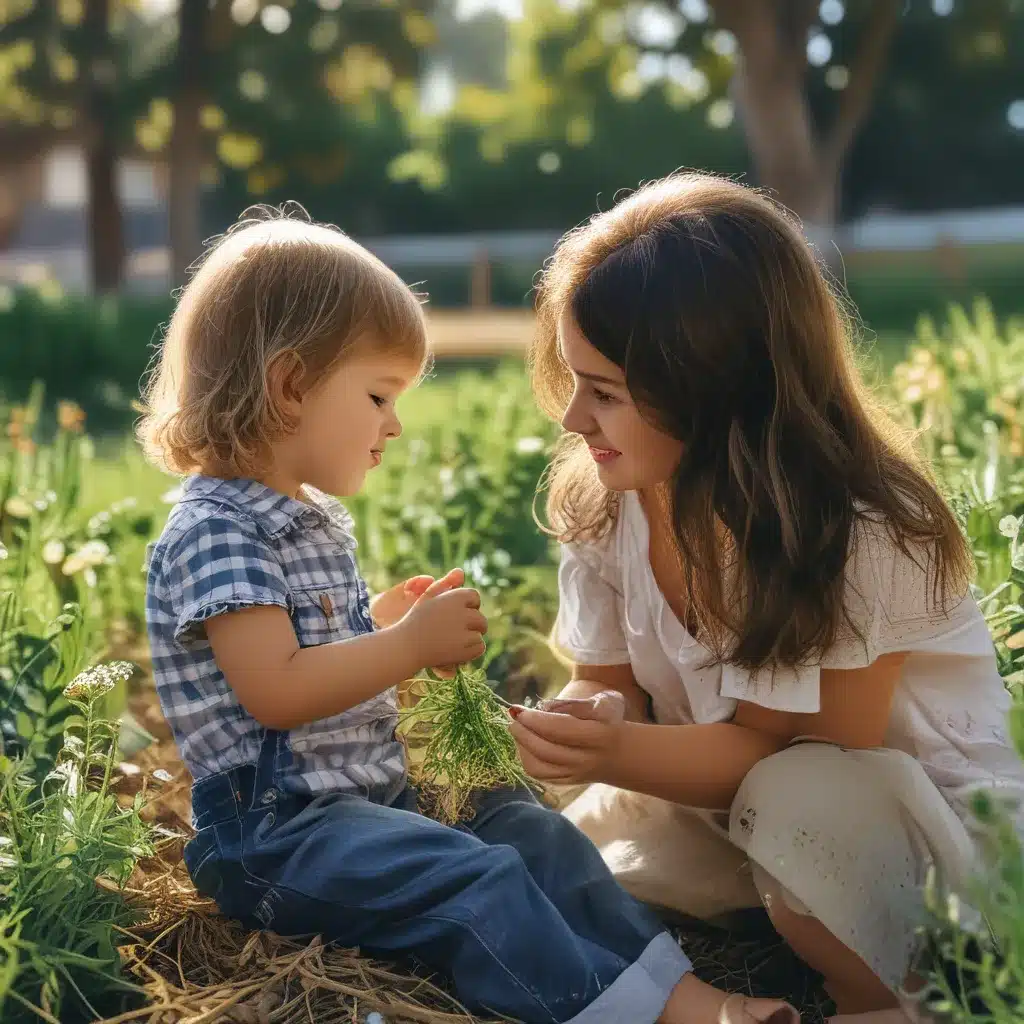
(44, 96)
(260, 88)
(947, 126)
(800, 77)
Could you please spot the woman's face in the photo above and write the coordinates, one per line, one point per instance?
(630, 452)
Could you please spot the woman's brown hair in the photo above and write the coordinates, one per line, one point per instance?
(731, 340)
(275, 287)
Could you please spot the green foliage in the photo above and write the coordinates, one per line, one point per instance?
(93, 351)
(69, 581)
(962, 387)
(65, 857)
(278, 99)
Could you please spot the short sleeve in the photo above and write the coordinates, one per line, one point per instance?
(589, 623)
(891, 606)
(220, 564)
(913, 616)
(798, 688)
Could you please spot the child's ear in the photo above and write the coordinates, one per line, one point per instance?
(284, 379)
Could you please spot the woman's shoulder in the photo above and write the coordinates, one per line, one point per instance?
(898, 590)
(599, 544)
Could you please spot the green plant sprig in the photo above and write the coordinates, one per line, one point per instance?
(469, 748)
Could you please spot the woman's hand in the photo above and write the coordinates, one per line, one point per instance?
(568, 741)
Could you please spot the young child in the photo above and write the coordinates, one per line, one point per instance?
(760, 578)
(276, 387)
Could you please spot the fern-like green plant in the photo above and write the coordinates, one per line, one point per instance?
(65, 857)
(468, 746)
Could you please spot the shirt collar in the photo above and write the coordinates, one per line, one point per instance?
(276, 512)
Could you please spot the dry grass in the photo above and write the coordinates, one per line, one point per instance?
(197, 967)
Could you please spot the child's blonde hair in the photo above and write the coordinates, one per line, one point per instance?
(275, 287)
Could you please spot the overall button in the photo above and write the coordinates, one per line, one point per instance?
(269, 796)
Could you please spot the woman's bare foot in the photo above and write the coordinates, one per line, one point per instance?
(693, 1002)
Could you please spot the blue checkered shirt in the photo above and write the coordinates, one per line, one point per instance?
(232, 544)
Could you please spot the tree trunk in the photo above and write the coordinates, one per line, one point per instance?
(786, 156)
(186, 148)
(104, 214)
(800, 166)
(106, 223)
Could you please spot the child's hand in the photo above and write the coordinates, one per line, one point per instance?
(445, 624)
(391, 605)
(576, 743)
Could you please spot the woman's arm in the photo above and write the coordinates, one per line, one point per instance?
(695, 765)
(703, 765)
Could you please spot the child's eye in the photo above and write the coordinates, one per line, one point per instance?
(603, 397)
(378, 401)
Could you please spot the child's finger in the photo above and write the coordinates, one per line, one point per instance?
(450, 581)
(416, 585)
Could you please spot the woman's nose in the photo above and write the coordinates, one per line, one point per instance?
(573, 420)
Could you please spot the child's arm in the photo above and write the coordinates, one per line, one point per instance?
(283, 685)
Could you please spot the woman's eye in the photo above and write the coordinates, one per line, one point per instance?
(602, 396)
(378, 401)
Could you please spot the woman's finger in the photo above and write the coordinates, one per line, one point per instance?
(542, 771)
(545, 750)
(564, 730)
(606, 706)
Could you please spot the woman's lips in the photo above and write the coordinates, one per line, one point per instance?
(603, 454)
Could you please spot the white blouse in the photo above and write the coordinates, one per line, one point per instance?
(950, 708)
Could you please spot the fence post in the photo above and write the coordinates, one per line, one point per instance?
(951, 259)
(480, 280)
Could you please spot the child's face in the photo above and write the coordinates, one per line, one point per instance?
(631, 454)
(345, 423)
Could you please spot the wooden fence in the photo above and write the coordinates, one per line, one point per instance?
(473, 333)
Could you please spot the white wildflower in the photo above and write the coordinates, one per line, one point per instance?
(529, 445)
(18, 507)
(88, 556)
(1009, 526)
(53, 552)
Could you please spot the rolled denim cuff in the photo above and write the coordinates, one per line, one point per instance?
(640, 992)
